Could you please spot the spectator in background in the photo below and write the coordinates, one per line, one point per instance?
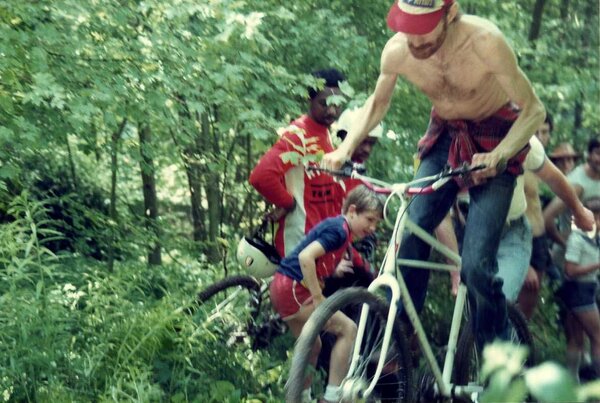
(585, 178)
(544, 132)
(582, 262)
(564, 157)
(301, 201)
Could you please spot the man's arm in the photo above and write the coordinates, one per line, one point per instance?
(374, 109)
(561, 187)
(496, 54)
(576, 270)
(551, 213)
(373, 112)
(267, 177)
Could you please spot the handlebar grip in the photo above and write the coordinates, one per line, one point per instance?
(346, 169)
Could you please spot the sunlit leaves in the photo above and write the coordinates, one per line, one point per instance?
(45, 90)
(508, 381)
(550, 382)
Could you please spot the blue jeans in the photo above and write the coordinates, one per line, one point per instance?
(487, 214)
(514, 254)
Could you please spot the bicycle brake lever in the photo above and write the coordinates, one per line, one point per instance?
(462, 170)
(346, 169)
(349, 167)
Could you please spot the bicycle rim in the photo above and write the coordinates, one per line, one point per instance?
(231, 308)
(394, 383)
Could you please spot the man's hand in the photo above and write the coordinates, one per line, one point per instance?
(584, 219)
(335, 159)
(494, 165)
(532, 280)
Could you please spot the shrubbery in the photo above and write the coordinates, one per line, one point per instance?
(73, 332)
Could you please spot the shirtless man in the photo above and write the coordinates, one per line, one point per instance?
(484, 112)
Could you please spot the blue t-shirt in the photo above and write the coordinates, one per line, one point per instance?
(334, 235)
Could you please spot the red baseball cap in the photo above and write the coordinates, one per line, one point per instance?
(416, 17)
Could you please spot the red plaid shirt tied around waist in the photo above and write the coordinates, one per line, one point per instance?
(470, 137)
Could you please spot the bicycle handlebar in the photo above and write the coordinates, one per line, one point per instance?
(355, 170)
(346, 170)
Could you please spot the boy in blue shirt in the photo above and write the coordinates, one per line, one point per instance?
(297, 288)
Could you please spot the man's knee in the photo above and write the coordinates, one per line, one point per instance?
(478, 279)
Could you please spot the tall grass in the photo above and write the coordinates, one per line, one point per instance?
(72, 332)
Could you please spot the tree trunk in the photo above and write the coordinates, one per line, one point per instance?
(577, 116)
(564, 9)
(96, 146)
(114, 167)
(150, 197)
(212, 192)
(194, 176)
(71, 163)
(536, 22)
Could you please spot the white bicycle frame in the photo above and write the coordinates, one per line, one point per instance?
(397, 286)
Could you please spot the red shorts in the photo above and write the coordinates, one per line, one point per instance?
(288, 295)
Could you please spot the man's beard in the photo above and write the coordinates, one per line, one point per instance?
(427, 50)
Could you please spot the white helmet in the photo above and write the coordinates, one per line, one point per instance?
(257, 256)
(349, 118)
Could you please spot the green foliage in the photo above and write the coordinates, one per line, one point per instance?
(508, 381)
(213, 80)
(73, 332)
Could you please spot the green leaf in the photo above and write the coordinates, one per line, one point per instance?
(9, 171)
(498, 386)
(347, 89)
(337, 100)
(503, 356)
(589, 391)
(291, 157)
(549, 382)
(38, 289)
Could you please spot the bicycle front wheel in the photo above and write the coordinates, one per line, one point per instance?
(394, 382)
(468, 360)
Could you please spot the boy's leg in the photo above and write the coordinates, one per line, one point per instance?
(344, 330)
(488, 209)
(574, 335)
(589, 319)
(296, 323)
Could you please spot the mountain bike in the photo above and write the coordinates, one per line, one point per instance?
(381, 348)
(238, 308)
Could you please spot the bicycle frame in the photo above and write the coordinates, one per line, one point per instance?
(387, 279)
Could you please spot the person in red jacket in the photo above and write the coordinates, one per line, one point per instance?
(302, 199)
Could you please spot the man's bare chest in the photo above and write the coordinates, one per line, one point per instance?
(452, 81)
